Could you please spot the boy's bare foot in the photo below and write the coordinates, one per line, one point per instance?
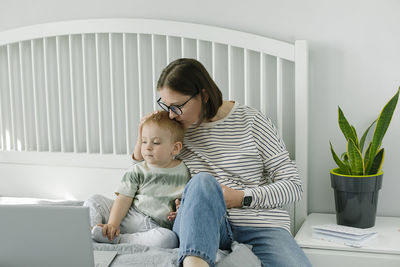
(193, 261)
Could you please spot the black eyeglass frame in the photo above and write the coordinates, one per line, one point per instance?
(175, 108)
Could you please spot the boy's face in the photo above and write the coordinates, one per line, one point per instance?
(158, 148)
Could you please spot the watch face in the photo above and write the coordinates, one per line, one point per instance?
(247, 200)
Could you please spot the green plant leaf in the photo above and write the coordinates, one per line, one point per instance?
(355, 158)
(381, 127)
(344, 169)
(364, 136)
(355, 136)
(366, 157)
(377, 162)
(347, 130)
(347, 163)
(345, 159)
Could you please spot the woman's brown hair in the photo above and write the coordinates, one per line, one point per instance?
(188, 76)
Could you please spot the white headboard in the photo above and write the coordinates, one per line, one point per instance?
(72, 94)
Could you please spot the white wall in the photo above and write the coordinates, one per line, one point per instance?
(354, 61)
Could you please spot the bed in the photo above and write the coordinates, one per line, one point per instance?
(73, 92)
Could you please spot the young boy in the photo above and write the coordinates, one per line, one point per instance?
(145, 196)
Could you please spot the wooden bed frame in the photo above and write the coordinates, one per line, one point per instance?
(72, 94)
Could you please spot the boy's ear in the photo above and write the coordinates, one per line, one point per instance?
(177, 148)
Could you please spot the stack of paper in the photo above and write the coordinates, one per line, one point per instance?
(346, 235)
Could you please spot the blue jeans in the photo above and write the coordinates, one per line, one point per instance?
(203, 228)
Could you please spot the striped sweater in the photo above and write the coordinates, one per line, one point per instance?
(244, 152)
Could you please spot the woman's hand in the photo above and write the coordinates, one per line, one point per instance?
(172, 215)
(110, 230)
(137, 154)
(233, 198)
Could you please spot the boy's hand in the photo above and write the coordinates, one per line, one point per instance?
(110, 230)
(172, 215)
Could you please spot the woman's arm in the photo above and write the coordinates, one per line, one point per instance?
(285, 186)
(137, 153)
(284, 183)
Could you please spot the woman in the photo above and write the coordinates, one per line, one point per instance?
(241, 173)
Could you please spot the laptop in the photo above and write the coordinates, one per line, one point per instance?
(32, 235)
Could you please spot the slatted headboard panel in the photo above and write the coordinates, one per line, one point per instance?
(72, 93)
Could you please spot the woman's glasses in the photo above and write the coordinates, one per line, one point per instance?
(177, 109)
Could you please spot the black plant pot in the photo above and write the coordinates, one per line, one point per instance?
(356, 198)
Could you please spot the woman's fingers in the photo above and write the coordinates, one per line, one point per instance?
(177, 203)
(172, 215)
(142, 120)
(137, 155)
(145, 117)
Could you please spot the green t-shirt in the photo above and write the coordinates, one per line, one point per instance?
(154, 189)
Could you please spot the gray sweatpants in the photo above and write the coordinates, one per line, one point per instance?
(140, 228)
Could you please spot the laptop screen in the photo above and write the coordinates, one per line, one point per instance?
(34, 235)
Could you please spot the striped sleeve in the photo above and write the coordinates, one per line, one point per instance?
(285, 184)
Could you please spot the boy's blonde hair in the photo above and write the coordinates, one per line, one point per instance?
(162, 119)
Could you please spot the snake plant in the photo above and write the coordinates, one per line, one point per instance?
(353, 162)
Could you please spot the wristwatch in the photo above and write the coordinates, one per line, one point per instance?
(247, 201)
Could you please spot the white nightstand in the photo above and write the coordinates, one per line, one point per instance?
(381, 252)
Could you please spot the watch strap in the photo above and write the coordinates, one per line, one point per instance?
(247, 199)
